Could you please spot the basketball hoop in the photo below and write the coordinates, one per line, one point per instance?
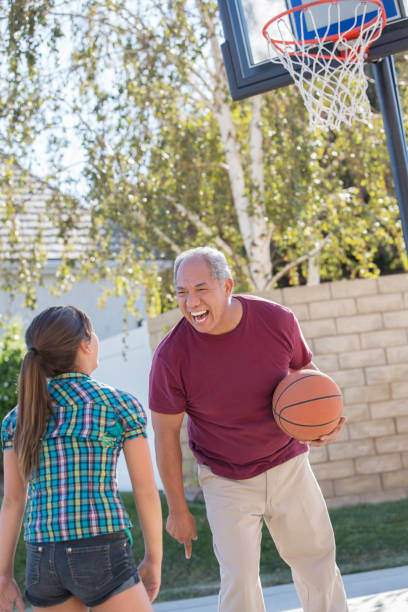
(327, 62)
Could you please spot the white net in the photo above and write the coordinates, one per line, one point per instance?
(327, 63)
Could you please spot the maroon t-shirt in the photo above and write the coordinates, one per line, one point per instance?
(225, 384)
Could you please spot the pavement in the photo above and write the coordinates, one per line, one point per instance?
(378, 591)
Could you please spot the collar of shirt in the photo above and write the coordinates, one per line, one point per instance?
(71, 376)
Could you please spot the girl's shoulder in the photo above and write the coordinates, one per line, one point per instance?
(105, 391)
(8, 428)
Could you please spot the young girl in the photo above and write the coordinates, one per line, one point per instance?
(62, 443)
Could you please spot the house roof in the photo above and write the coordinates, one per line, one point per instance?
(28, 211)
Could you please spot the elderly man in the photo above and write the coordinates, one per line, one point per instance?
(220, 365)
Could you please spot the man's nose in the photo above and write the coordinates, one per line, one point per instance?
(192, 300)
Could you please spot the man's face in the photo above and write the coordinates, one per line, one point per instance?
(203, 300)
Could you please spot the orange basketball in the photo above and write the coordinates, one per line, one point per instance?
(307, 404)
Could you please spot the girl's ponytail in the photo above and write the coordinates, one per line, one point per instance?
(33, 412)
(52, 339)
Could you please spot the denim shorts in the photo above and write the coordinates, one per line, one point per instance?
(92, 569)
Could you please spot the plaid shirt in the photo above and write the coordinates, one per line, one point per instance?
(74, 494)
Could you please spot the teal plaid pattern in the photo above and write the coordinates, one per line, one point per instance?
(74, 494)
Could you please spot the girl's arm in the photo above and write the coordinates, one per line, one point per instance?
(147, 500)
(11, 516)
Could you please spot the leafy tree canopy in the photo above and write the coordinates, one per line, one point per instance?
(128, 103)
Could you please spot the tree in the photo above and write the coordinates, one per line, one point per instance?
(169, 162)
(12, 350)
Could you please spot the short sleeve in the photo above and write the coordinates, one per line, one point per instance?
(133, 417)
(301, 353)
(166, 391)
(7, 430)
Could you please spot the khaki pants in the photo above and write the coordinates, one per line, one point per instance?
(289, 500)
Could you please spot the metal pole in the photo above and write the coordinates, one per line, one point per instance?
(387, 88)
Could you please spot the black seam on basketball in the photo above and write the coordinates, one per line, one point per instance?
(294, 383)
(311, 399)
(303, 425)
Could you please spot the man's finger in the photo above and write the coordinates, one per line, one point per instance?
(188, 548)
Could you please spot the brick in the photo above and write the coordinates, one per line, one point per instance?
(338, 344)
(397, 354)
(327, 488)
(360, 395)
(392, 408)
(354, 288)
(332, 308)
(392, 444)
(399, 390)
(383, 374)
(372, 428)
(334, 469)
(402, 424)
(405, 459)
(348, 378)
(357, 484)
(356, 412)
(380, 339)
(301, 312)
(359, 323)
(358, 359)
(393, 282)
(380, 303)
(406, 299)
(378, 464)
(295, 295)
(341, 450)
(316, 329)
(398, 318)
(343, 435)
(318, 454)
(376, 497)
(274, 295)
(344, 500)
(164, 320)
(326, 363)
(395, 479)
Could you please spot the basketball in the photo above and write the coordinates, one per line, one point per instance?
(307, 404)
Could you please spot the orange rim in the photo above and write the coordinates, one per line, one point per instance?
(333, 37)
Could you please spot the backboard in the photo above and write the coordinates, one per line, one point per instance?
(245, 50)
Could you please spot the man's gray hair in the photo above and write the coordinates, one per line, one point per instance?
(215, 259)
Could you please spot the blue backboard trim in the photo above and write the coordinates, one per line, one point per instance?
(303, 32)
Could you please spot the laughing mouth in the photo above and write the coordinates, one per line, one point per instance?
(199, 317)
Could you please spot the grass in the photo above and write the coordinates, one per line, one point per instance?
(368, 537)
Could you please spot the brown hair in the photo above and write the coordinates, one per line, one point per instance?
(52, 340)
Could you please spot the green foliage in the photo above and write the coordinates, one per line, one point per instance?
(147, 101)
(12, 349)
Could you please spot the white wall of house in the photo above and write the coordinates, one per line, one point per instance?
(129, 373)
(107, 321)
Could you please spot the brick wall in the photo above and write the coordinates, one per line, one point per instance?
(357, 331)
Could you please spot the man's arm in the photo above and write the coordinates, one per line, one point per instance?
(180, 522)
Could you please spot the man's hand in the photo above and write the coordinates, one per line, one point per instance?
(10, 595)
(182, 527)
(330, 436)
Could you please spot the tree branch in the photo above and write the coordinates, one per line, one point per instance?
(221, 244)
(296, 262)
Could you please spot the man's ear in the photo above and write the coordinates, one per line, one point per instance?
(229, 284)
